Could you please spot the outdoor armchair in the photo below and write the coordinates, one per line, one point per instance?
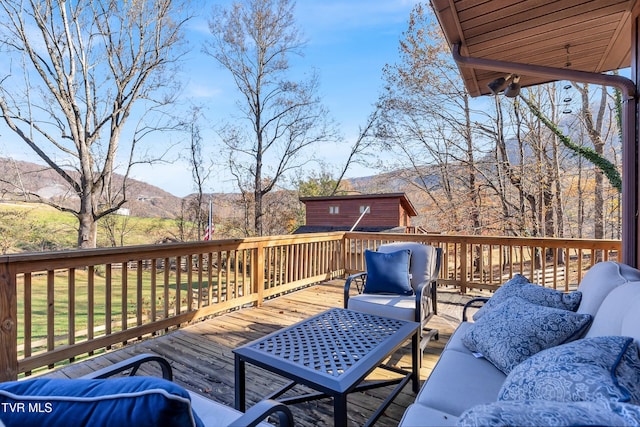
(116, 396)
(399, 282)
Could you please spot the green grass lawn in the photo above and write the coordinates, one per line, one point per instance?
(37, 227)
(61, 306)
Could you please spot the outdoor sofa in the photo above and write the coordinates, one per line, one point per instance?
(107, 398)
(536, 356)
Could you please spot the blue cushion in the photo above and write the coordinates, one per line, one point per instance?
(388, 272)
(595, 368)
(131, 401)
(519, 286)
(536, 413)
(517, 329)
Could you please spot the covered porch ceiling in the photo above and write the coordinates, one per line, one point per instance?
(582, 35)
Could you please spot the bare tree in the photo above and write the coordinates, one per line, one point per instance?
(200, 173)
(76, 71)
(427, 120)
(116, 227)
(594, 129)
(281, 119)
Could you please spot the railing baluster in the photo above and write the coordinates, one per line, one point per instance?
(71, 308)
(124, 289)
(154, 283)
(209, 278)
(27, 308)
(189, 262)
(139, 297)
(108, 309)
(90, 303)
(199, 285)
(178, 285)
(51, 334)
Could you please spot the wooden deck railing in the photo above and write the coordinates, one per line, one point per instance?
(484, 262)
(55, 306)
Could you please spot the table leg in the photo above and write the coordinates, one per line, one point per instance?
(340, 410)
(415, 361)
(240, 377)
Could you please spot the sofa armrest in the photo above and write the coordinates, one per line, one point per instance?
(473, 303)
(261, 410)
(132, 365)
(359, 280)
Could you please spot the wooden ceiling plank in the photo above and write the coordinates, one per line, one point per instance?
(517, 12)
(614, 54)
(563, 18)
(447, 17)
(463, 5)
(577, 62)
(557, 38)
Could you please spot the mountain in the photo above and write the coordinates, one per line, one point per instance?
(17, 177)
(144, 199)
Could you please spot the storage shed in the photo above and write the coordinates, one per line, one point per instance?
(389, 212)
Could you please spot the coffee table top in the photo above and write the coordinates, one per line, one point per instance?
(333, 350)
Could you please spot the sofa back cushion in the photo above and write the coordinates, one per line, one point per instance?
(618, 313)
(601, 279)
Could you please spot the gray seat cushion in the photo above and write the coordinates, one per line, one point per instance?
(459, 381)
(402, 307)
(214, 414)
(423, 416)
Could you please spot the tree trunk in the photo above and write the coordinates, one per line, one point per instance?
(87, 230)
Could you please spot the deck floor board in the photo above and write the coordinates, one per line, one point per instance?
(202, 359)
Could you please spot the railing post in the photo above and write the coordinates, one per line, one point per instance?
(8, 324)
(344, 254)
(258, 274)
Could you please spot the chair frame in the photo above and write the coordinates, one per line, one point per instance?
(425, 295)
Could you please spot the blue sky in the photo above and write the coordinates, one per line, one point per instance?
(348, 44)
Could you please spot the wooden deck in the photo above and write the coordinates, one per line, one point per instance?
(202, 358)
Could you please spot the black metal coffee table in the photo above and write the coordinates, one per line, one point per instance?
(332, 353)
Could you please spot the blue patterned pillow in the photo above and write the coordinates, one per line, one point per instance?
(596, 368)
(130, 401)
(535, 413)
(517, 329)
(519, 286)
(388, 272)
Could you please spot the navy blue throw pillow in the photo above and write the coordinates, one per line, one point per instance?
(130, 401)
(388, 272)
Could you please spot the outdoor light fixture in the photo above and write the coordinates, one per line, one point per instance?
(514, 87)
(509, 83)
(499, 84)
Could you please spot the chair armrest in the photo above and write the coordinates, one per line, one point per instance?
(422, 293)
(425, 300)
(359, 279)
(475, 302)
(132, 365)
(261, 410)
